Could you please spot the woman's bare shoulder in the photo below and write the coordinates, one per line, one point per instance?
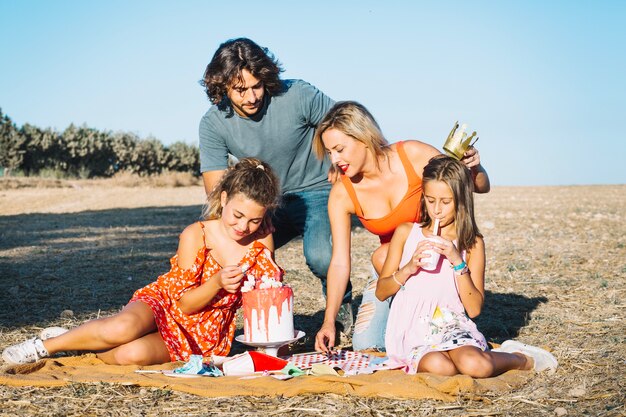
(340, 199)
(419, 153)
(415, 148)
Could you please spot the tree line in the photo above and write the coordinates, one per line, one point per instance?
(84, 152)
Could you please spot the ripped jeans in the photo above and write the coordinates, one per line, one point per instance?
(371, 319)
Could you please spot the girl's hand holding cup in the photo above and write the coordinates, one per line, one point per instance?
(419, 258)
(447, 249)
(229, 278)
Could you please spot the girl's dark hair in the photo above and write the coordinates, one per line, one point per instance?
(250, 177)
(459, 179)
(230, 59)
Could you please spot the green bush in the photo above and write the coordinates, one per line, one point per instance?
(149, 157)
(184, 158)
(12, 145)
(44, 150)
(83, 152)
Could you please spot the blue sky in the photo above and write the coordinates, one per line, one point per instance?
(543, 83)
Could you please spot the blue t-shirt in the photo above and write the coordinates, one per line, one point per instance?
(281, 135)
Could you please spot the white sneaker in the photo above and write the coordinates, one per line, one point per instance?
(50, 332)
(543, 359)
(28, 351)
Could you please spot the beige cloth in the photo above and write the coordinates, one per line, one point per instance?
(87, 368)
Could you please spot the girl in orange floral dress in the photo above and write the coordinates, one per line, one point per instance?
(190, 309)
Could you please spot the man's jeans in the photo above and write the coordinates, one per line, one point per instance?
(305, 214)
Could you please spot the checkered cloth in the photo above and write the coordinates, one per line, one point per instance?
(352, 363)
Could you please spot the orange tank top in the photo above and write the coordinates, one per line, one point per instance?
(408, 210)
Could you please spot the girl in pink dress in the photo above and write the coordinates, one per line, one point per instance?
(429, 327)
(190, 309)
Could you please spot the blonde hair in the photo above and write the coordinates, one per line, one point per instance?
(354, 120)
(459, 178)
(250, 177)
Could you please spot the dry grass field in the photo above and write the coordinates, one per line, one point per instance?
(556, 275)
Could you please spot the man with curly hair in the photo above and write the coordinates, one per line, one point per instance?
(256, 114)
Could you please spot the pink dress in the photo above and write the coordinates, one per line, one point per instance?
(428, 314)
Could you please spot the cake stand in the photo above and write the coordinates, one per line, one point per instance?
(271, 348)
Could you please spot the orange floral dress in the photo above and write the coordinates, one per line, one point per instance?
(210, 330)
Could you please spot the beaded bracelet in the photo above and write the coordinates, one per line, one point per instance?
(393, 276)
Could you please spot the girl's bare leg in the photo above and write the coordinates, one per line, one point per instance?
(134, 321)
(147, 350)
(437, 363)
(472, 361)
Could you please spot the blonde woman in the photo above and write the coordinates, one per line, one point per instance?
(382, 185)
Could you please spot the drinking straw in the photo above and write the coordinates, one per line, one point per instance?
(436, 227)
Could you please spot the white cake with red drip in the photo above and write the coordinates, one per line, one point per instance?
(267, 311)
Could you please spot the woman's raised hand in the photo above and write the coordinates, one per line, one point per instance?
(471, 158)
(229, 278)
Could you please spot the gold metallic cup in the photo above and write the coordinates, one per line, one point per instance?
(458, 142)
